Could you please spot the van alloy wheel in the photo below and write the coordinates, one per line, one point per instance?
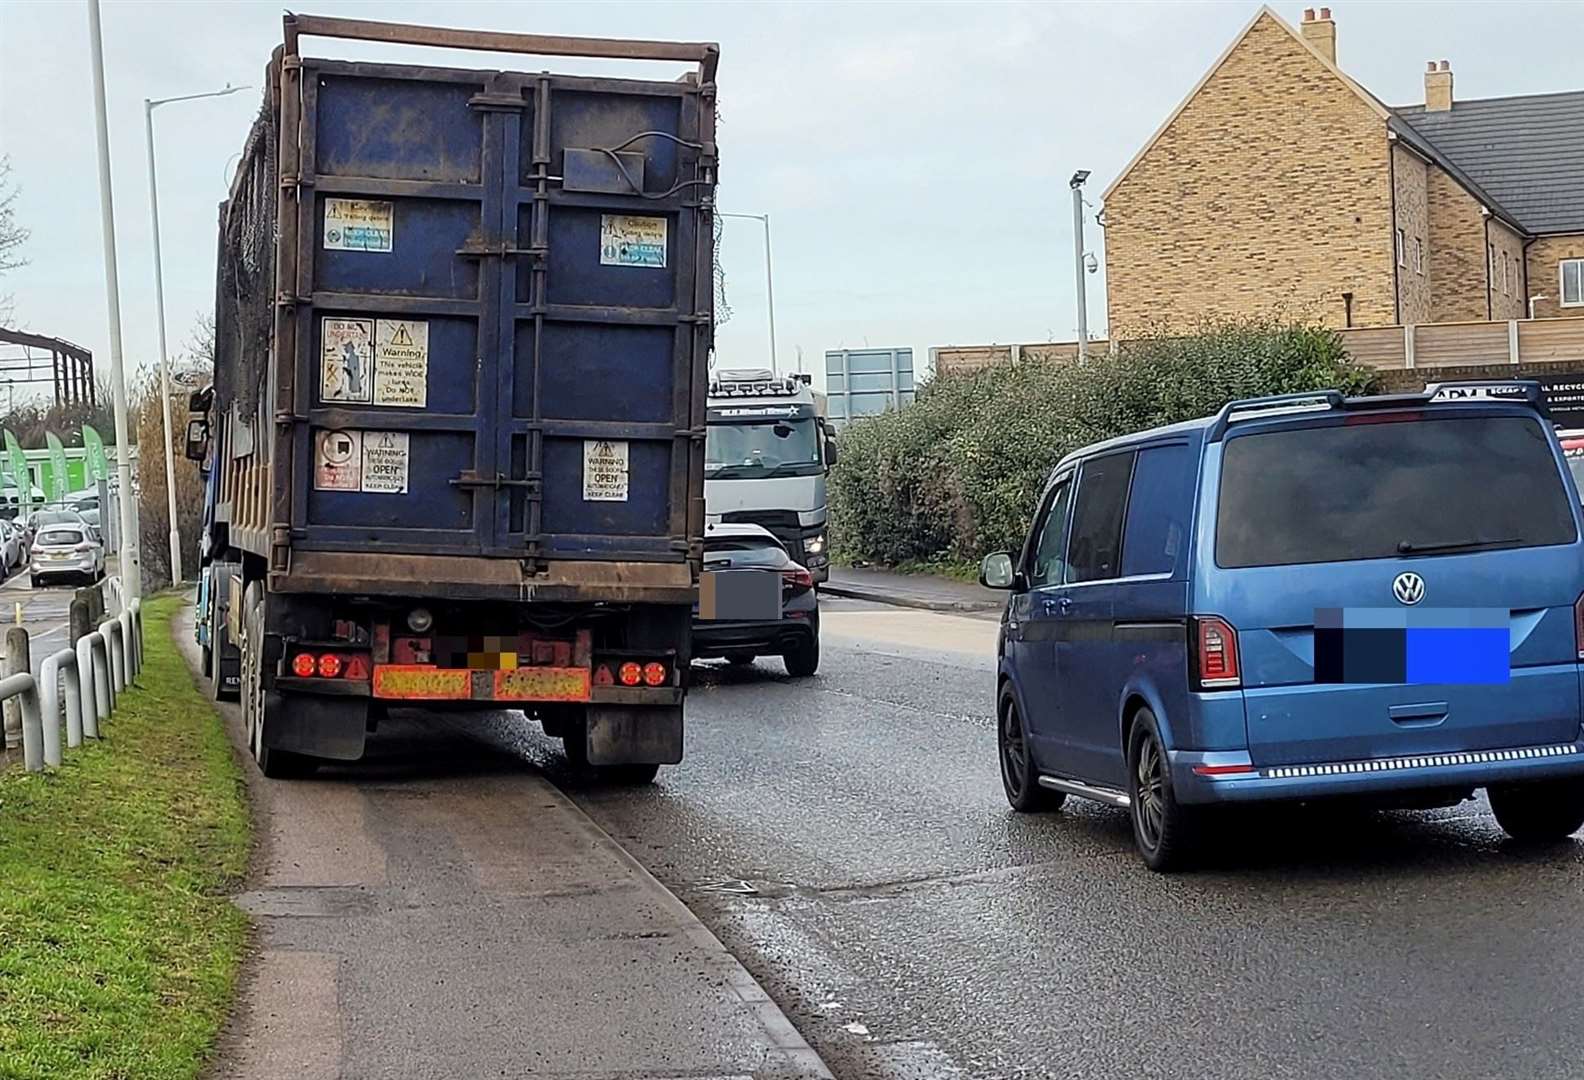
(1148, 806)
(1019, 774)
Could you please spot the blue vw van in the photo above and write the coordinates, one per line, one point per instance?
(1302, 597)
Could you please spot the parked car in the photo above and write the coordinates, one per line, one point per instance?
(786, 621)
(66, 550)
(13, 547)
(50, 515)
(1300, 598)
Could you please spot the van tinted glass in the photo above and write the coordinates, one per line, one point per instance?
(1095, 551)
(1374, 490)
(1158, 509)
(1045, 561)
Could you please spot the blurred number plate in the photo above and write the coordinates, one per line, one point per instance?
(542, 684)
(418, 683)
(423, 683)
(740, 595)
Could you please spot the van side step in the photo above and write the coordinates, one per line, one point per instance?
(1109, 796)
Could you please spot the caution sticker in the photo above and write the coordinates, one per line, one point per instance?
(401, 363)
(338, 460)
(385, 462)
(358, 225)
(604, 470)
(346, 348)
(629, 240)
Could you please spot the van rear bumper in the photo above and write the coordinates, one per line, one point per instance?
(1465, 769)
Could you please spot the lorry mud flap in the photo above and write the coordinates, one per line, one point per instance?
(634, 735)
(332, 728)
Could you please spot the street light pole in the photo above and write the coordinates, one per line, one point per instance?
(159, 308)
(1077, 183)
(769, 282)
(131, 579)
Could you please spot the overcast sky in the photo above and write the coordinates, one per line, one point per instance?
(914, 156)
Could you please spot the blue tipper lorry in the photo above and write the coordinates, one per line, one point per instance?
(457, 421)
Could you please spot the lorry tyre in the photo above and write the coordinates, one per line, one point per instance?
(1543, 812)
(627, 775)
(802, 660)
(258, 707)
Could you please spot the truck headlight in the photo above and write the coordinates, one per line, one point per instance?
(815, 544)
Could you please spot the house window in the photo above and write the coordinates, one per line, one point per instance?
(1573, 282)
(1490, 266)
(1503, 274)
(1418, 255)
(1402, 249)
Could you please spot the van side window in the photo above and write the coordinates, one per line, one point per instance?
(1045, 557)
(1095, 552)
(1158, 509)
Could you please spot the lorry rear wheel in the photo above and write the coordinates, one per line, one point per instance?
(627, 775)
(259, 707)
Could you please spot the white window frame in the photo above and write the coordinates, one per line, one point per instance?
(1418, 256)
(1402, 249)
(1562, 300)
(1504, 273)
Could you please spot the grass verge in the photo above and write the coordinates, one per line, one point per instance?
(119, 949)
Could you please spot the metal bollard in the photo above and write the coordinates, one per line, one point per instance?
(111, 629)
(17, 661)
(129, 649)
(79, 618)
(58, 666)
(24, 690)
(136, 608)
(96, 681)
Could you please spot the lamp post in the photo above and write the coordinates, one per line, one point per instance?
(131, 576)
(1077, 182)
(769, 281)
(159, 306)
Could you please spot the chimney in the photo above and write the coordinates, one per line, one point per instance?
(1320, 34)
(1438, 87)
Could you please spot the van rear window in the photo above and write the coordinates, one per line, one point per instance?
(1335, 493)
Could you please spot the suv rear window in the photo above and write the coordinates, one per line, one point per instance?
(1374, 490)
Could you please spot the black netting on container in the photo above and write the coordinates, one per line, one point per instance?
(246, 327)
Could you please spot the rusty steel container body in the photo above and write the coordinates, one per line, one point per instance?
(462, 327)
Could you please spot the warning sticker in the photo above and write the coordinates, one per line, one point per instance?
(347, 348)
(626, 240)
(401, 363)
(385, 462)
(604, 470)
(357, 225)
(338, 460)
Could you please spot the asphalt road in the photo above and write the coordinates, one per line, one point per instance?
(847, 839)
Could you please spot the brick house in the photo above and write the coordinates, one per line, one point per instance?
(1279, 181)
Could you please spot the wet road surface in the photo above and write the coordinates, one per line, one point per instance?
(847, 838)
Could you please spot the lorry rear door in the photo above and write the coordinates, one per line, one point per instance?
(498, 311)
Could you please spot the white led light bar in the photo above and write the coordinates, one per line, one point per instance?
(1424, 761)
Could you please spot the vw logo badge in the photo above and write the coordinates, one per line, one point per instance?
(1408, 588)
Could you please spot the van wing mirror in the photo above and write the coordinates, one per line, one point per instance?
(197, 439)
(996, 571)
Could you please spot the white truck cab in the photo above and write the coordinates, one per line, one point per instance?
(766, 457)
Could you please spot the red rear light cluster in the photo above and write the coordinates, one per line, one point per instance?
(798, 578)
(1215, 654)
(330, 665)
(632, 673)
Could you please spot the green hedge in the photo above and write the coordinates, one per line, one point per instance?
(956, 474)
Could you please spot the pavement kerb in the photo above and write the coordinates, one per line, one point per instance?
(782, 1034)
(850, 591)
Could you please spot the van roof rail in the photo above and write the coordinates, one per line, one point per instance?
(1276, 405)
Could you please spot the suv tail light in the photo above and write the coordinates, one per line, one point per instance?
(797, 578)
(1213, 647)
(1578, 625)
